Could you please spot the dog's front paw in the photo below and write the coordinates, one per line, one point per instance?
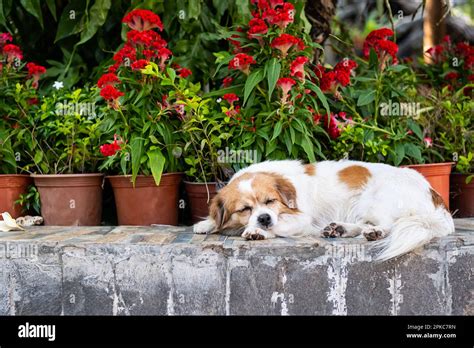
(254, 234)
(204, 227)
(333, 230)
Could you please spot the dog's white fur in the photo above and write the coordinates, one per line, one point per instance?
(395, 201)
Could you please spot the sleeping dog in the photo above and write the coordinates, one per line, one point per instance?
(394, 206)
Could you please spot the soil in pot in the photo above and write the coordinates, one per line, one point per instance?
(437, 175)
(11, 187)
(70, 199)
(199, 197)
(462, 196)
(146, 203)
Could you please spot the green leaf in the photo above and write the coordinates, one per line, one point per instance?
(273, 68)
(400, 153)
(414, 152)
(321, 96)
(97, 16)
(33, 7)
(415, 127)
(308, 148)
(38, 157)
(157, 163)
(52, 8)
(71, 19)
(366, 98)
(277, 130)
(5, 8)
(137, 149)
(194, 9)
(254, 79)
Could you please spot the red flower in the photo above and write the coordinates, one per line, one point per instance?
(378, 40)
(142, 20)
(227, 81)
(242, 62)
(331, 125)
(428, 141)
(148, 38)
(257, 27)
(126, 55)
(285, 83)
(111, 149)
(164, 54)
(4, 38)
(12, 52)
(340, 75)
(139, 64)
(184, 72)
(284, 42)
(297, 67)
(108, 79)
(35, 70)
(33, 101)
(231, 98)
(282, 16)
(236, 43)
(452, 75)
(110, 93)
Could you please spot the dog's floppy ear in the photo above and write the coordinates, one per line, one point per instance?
(287, 192)
(218, 212)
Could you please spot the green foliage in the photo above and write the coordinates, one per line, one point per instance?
(30, 201)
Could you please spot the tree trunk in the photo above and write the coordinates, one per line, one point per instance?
(320, 14)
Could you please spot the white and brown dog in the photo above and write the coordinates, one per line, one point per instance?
(396, 206)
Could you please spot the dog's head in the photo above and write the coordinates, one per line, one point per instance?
(255, 199)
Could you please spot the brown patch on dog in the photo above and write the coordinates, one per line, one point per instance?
(354, 176)
(310, 169)
(437, 199)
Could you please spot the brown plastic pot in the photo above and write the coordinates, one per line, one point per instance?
(11, 187)
(462, 195)
(437, 175)
(199, 196)
(70, 199)
(146, 203)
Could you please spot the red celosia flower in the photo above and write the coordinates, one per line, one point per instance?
(285, 83)
(139, 64)
(110, 93)
(451, 75)
(331, 125)
(33, 101)
(428, 141)
(284, 42)
(230, 98)
(4, 38)
(297, 67)
(236, 43)
(34, 71)
(233, 112)
(111, 149)
(126, 55)
(242, 62)
(378, 40)
(257, 27)
(108, 79)
(142, 20)
(261, 4)
(163, 54)
(12, 52)
(184, 72)
(148, 38)
(340, 75)
(227, 81)
(436, 53)
(281, 16)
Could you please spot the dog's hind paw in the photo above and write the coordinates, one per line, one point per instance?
(204, 227)
(373, 233)
(333, 230)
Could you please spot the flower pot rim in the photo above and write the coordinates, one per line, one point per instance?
(141, 176)
(428, 164)
(15, 175)
(200, 183)
(55, 176)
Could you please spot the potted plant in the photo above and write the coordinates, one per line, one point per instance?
(206, 133)
(144, 112)
(61, 141)
(18, 88)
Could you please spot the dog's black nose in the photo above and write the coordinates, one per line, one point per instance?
(265, 220)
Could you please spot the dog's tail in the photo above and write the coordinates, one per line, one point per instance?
(410, 232)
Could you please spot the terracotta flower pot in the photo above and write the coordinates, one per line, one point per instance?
(11, 187)
(199, 197)
(437, 175)
(146, 203)
(462, 195)
(70, 199)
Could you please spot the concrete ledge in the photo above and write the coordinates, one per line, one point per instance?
(168, 270)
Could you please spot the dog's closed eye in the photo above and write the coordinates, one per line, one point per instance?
(244, 209)
(269, 201)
